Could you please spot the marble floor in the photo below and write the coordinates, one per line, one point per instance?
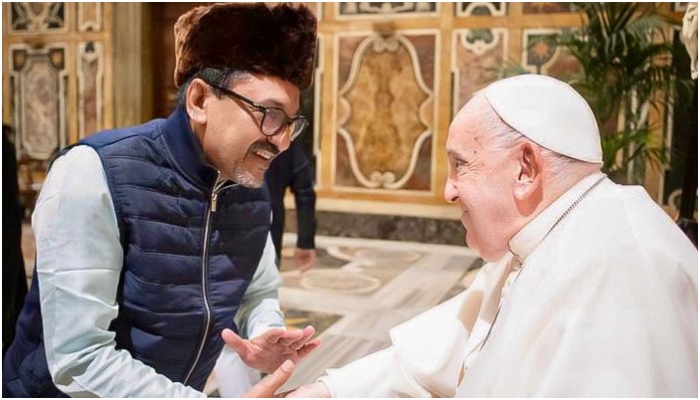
(359, 289)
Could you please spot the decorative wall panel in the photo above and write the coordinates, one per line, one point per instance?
(542, 56)
(89, 17)
(39, 82)
(386, 108)
(57, 75)
(547, 8)
(90, 86)
(494, 9)
(384, 93)
(384, 9)
(477, 55)
(37, 17)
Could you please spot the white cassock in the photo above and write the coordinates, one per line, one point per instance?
(603, 305)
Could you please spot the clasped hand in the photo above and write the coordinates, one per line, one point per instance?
(275, 352)
(268, 351)
(268, 387)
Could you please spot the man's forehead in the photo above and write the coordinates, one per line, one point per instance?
(270, 91)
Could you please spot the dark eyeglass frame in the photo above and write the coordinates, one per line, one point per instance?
(290, 123)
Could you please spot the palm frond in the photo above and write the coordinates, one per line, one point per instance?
(625, 61)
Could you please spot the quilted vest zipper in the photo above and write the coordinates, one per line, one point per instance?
(218, 186)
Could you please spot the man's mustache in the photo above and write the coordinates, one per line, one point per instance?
(264, 146)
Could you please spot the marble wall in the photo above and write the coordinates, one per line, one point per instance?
(384, 227)
(56, 80)
(39, 99)
(386, 103)
(389, 78)
(394, 74)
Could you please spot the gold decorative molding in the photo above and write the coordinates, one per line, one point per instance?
(89, 17)
(384, 10)
(37, 17)
(473, 9)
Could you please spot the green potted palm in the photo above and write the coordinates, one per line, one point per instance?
(626, 70)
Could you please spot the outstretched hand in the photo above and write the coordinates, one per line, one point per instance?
(267, 387)
(269, 350)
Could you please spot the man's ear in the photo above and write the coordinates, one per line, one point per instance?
(195, 101)
(528, 186)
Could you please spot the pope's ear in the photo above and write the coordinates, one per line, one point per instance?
(529, 182)
(195, 101)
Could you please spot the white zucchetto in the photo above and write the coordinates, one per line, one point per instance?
(548, 112)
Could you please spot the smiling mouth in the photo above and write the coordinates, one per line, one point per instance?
(266, 151)
(264, 154)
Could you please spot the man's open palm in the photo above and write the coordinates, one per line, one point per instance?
(269, 350)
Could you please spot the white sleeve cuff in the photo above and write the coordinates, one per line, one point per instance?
(326, 380)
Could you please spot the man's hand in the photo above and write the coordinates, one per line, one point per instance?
(267, 351)
(316, 390)
(271, 383)
(304, 259)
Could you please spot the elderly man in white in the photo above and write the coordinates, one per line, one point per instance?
(589, 288)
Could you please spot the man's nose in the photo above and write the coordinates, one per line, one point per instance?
(281, 140)
(450, 192)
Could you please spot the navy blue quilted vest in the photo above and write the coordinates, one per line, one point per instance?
(189, 255)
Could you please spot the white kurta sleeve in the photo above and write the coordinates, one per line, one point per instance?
(424, 360)
(260, 310)
(79, 260)
(379, 374)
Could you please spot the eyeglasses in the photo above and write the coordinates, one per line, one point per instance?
(274, 119)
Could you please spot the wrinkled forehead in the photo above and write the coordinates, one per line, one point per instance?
(466, 127)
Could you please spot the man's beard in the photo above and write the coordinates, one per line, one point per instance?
(241, 176)
(245, 178)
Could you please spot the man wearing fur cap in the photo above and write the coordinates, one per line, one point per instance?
(153, 245)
